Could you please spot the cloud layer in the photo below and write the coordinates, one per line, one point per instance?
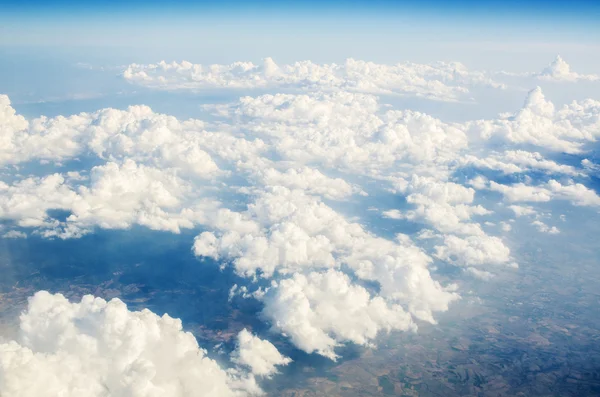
(278, 186)
(440, 81)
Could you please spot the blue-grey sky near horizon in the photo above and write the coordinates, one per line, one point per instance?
(286, 198)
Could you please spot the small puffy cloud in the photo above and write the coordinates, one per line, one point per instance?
(479, 182)
(589, 165)
(446, 206)
(474, 251)
(543, 228)
(560, 70)
(309, 180)
(522, 192)
(260, 356)
(556, 71)
(393, 214)
(14, 234)
(480, 274)
(522, 210)
(98, 348)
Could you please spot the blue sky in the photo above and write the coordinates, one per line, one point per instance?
(47, 22)
(478, 33)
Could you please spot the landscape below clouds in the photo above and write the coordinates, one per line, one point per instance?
(303, 220)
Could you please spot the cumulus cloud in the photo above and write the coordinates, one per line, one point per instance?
(99, 348)
(539, 123)
(480, 274)
(560, 70)
(556, 71)
(318, 311)
(260, 356)
(117, 197)
(519, 161)
(14, 234)
(444, 205)
(348, 131)
(294, 233)
(309, 180)
(521, 210)
(441, 80)
(576, 193)
(274, 184)
(543, 228)
(474, 251)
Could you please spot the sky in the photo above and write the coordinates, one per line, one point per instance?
(214, 198)
(387, 30)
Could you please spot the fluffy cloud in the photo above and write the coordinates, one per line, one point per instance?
(521, 210)
(14, 234)
(539, 123)
(136, 133)
(260, 356)
(272, 180)
(320, 310)
(560, 70)
(442, 81)
(519, 161)
(99, 348)
(288, 232)
(117, 197)
(310, 180)
(444, 205)
(347, 131)
(577, 193)
(474, 251)
(43, 138)
(543, 228)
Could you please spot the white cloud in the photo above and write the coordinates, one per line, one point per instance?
(258, 180)
(444, 205)
(474, 251)
(118, 196)
(310, 180)
(519, 161)
(14, 234)
(260, 356)
(560, 70)
(99, 348)
(576, 193)
(347, 131)
(441, 81)
(543, 228)
(318, 311)
(479, 182)
(393, 214)
(521, 210)
(539, 123)
(295, 233)
(481, 274)
(556, 71)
